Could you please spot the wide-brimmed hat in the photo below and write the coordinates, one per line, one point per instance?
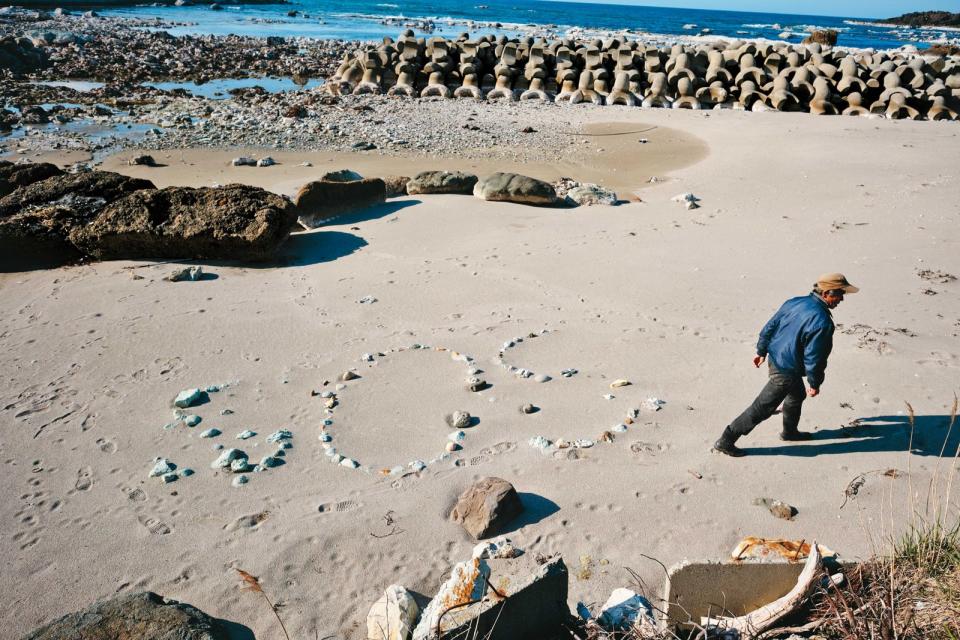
(833, 281)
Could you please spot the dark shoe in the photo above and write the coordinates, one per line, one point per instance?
(796, 436)
(727, 445)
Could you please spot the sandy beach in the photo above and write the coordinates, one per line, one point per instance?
(92, 356)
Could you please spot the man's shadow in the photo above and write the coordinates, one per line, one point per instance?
(929, 436)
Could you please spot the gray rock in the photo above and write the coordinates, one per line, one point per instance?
(513, 187)
(459, 419)
(346, 376)
(488, 505)
(592, 194)
(143, 160)
(269, 462)
(266, 162)
(190, 274)
(318, 202)
(143, 615)
(240, 465)
(162, 467)
(210, 433)
(226, 458)
(239, 481)
(442, 182)
(191, 420)
(341, 175)
(188, 398)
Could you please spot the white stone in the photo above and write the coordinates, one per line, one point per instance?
(418, 465)
(210, 433)
(457, 436)
(240, 481)
(349, 463)
(187, 397)
(393, 616)
(191, 420)
(539, 442)
(279, 436)
(625, 609)
(246, 434)
(161, 467)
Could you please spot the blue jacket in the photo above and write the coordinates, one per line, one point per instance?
(799, 337)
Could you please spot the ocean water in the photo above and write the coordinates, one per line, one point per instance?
(372, 20)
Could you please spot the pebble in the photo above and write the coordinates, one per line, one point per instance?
(528, 409)
(270, 462)
(266, 162)
(539, 442)
(541, 377)
(279, 436)
(453, 446)
(367, 300)
(608, 396)
(459, 419)
(192, 420)
(620, 428)
(226, 458)
(217, 447)
(188, 274)
(620, 383)
(569, 373)
(210, 433)
(240, 480)
(654, 404)
(327, 394)
(226, 412)
(476, 384)
(186, 472)
(349, 463)
(347, 376)
(336, 458)
(418, 465)
(243, 161)
(169, 477)
(240, 465)
(583, 443)
(457, 436)
(161, 466)
(245, 434)
(325, 437)
(188, 398)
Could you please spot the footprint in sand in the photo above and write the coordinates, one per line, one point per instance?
(339, 507)
(486, 454)
(154, 526)
(107, 446)
(134, 494)
(84, 479)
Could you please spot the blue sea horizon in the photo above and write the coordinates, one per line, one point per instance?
(365, 20)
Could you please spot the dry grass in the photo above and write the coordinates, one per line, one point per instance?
(252, 583)
(911, 590)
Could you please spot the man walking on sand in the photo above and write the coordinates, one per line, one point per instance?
(797, 340)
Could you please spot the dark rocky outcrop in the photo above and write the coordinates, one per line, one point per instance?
(513, 187)
(926, 19)
(104, 185)
(441, 182)
(36, 219)
(13, 176)
(138, 616)
(318, 202)
(233, 222)
(488, 505)
(19, 55)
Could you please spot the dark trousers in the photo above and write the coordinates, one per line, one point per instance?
(781, 387)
